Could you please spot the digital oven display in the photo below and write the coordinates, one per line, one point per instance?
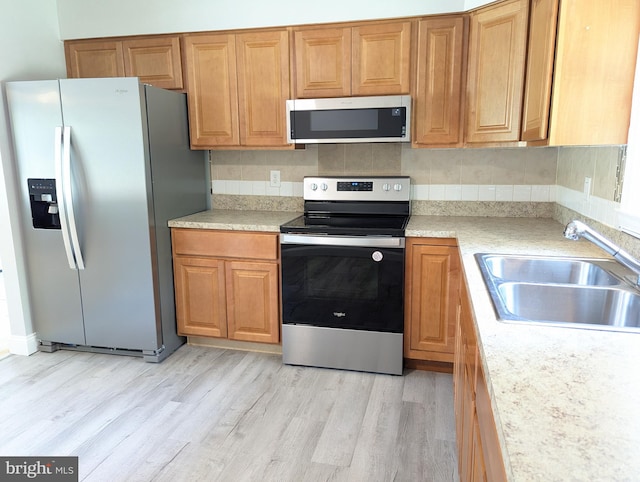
(355, 186)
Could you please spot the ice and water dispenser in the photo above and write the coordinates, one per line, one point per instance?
(44, 203)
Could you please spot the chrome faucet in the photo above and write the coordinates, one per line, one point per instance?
(576, 230)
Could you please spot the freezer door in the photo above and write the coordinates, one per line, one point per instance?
(54, 288)
(113, 206)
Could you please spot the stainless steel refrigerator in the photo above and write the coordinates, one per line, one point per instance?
(102, 165)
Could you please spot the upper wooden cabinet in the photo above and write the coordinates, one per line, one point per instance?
(438, 87)
(263, 86)
(583, 95)
(371, 59)
(155, 60)
(212, 90)
(322, 62)
(495, 78)
(88, 58)
(541, 52)
(237, 85)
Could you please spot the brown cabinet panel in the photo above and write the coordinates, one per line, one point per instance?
(227, 284)
(594, 69)
(225, 244)
(539, 76)
(200, 296)
(479, 452)
(323, 62)
(252, 300)
(371, 59)
(87, 59)
(212, 90)
(432, 278)
(381, 59)
(493, 463)
(157, 61)
(497, 49)
(438, 96)
(263, 85)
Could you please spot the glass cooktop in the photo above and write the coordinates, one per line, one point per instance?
(354, 225)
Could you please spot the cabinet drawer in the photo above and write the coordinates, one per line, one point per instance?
(225, 244)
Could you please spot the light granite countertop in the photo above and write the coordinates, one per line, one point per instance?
(235, 220)
(566, 401)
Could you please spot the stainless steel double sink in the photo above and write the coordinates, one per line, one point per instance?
(587, 293)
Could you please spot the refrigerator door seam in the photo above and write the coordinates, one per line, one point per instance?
(62, 208)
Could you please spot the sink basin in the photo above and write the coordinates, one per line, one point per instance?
(614, 307)
(550, 270)
(562, 291)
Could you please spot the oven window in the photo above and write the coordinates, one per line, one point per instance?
(343, 287)
(341, 278)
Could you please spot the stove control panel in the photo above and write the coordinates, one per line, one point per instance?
(357, 188)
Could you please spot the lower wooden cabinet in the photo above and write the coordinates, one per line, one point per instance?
(479, 454)
(431, 283)
(227, 284)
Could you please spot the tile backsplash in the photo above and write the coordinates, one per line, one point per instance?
(496, 174)
(472, 181)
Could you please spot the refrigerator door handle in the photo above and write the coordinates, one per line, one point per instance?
(68, 197)
(62, 208)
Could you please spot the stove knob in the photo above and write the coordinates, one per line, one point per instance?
(397, 187)
(386, 187)
(313, 186)
(324, 187)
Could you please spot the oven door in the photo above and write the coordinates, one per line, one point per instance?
(352, 282)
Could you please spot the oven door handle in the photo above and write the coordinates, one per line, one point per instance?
(359, 241)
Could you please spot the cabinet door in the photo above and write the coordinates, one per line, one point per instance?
(432, 286)
(156, 61)
(87, 59)
(594, 71)
(381, 59)
(464, 388)
(540, 55)
(492, 456)
(212, 90)
(200, 296)
(263, 85)
(253, 302)
(323, 62)
(438, 95)
(497, 48)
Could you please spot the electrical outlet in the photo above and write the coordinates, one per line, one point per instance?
(274, 179)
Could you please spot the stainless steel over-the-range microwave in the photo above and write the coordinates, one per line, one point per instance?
(349, 119)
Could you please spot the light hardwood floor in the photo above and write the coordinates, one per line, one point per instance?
(212, 414)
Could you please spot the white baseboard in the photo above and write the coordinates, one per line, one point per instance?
(23, 345)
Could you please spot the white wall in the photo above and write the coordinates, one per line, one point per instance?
(94, 18)
(31, 50)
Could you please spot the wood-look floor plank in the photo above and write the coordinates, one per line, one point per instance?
(373, 457)
(221, 415)
(338, 440)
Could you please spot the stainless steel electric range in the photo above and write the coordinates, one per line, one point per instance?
(343, 274)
